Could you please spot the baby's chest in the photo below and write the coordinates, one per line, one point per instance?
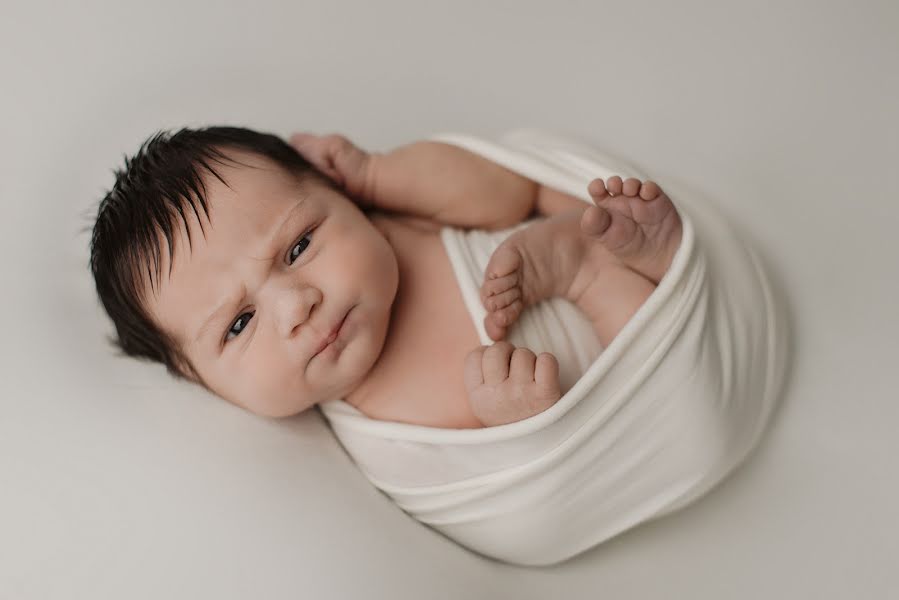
(422, 373)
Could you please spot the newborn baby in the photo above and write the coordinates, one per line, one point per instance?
(281, 276)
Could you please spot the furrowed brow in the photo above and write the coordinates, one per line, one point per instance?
(229, 305)
(288, 219)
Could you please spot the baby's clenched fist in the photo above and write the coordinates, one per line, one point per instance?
(507, 384)
(337, 157)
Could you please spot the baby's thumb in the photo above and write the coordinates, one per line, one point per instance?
(309, 146)
(315, 150)
(352, 164)
(474, 373)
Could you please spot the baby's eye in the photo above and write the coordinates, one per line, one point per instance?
(239, 325)
(298, 248)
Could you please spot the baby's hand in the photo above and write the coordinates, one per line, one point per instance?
(507, 384)
(338, 158)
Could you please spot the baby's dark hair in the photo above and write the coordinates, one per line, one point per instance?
(159, 186)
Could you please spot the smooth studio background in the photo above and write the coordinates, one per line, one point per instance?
(116, 482)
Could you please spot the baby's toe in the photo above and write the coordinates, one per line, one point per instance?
(504, 299)
(650, 190)
(507, 315)
(631, 186)
(494, 287)
(505, 260)
(497, 322)
(613, 184)
(595, 221)
(597, 190)
(494, 331)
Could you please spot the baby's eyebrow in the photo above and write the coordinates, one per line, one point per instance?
(220, 312)
(229, 304)
(298, 209)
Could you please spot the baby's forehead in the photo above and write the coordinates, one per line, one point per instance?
(242, 169)
(243, 181)
(244, 200)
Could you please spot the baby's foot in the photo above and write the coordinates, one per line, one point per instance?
(636, 222)
(548, 258)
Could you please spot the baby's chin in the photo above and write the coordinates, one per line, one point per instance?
(283, 404)
(277, 411)
(269, 403)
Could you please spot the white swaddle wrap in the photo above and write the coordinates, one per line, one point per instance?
(646, 426)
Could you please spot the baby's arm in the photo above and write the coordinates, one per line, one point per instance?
(451, 186)
(428, 179)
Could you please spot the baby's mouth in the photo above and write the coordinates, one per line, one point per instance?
(335, 333)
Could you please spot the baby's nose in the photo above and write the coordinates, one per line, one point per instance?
(294, 306)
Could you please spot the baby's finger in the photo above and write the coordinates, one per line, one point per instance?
(522, 366)
(546, 375)
(352, 162)
(496, 362)
(473, 372)
(308, 145)
(313, 149)
(301, 138)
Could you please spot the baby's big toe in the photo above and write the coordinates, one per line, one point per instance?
(595, 221)
(505, 260)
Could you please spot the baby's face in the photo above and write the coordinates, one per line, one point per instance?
(253, 303)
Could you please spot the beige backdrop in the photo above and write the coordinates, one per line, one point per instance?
(118, 483)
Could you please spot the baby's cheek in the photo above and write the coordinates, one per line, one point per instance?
(260, 389)
(381, 267)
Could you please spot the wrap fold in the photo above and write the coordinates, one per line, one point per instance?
(646, 426)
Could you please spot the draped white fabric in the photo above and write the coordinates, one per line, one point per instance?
(645, 427)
